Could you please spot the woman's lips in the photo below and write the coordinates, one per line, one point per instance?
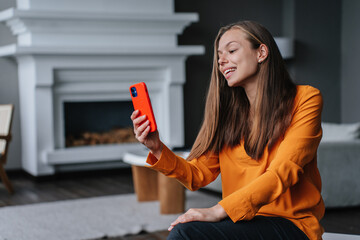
(229, 71)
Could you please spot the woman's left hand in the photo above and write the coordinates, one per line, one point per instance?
(213, 214)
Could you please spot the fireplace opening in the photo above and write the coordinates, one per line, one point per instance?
(95, 123)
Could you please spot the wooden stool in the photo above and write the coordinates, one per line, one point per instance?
(171, 195)
(145, 183)
(151, 185)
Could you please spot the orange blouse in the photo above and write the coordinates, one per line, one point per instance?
(285, 182)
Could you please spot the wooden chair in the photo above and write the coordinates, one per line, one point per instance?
(6, 115)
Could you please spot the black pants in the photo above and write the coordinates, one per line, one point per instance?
(259, 228)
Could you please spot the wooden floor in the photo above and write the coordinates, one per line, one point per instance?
(77, 185)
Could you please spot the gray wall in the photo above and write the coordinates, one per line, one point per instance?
(9, 90)
(350, 66)
(317, 33)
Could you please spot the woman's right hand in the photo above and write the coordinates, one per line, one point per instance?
(142, 133)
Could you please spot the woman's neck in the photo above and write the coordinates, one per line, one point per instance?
(251, 91)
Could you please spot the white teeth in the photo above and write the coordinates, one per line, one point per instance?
(229, 70)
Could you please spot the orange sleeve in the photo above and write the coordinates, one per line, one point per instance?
(298, 148)
(192, 174)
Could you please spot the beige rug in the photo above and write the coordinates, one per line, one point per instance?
(90, 218)
(99, 217)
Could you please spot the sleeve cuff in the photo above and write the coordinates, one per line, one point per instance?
(243, 212)
(165, 164)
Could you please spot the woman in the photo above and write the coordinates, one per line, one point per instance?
(261, 131)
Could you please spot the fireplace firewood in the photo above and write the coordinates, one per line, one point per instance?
(114, 136)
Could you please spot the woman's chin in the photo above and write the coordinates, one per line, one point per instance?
(231, 83)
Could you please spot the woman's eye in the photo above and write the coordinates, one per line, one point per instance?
(232, 51)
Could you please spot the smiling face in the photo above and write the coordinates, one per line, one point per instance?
(238, 61)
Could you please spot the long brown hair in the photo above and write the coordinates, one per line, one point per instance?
(227, 118)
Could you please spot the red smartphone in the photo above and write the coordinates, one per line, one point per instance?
(141, 101)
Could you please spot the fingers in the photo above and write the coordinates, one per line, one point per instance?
(190, 216)
(141, 127)
(213, 214)
(141, 135)
(143, 130)
(174, 223)
(134, 114)
(137, 120)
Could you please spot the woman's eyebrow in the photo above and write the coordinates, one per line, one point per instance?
(219, 51)
(230, 43)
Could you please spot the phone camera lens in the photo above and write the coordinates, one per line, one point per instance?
(133, 92)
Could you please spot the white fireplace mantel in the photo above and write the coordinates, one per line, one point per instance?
(95, 29)
(92, 50)
(16, 50)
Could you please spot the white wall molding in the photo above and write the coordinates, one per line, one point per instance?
(109, 6)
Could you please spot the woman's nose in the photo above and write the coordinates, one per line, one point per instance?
(221, 60)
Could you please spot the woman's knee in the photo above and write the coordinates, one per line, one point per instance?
(181, 231)
(194, 230)
(177, 233)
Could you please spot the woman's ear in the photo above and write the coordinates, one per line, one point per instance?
(263, 53)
